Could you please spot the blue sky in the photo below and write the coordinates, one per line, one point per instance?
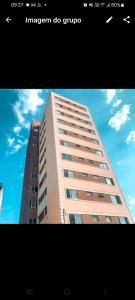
(114, 113)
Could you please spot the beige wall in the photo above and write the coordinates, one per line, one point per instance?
(86, 207)
(51, 182)
(58, 206)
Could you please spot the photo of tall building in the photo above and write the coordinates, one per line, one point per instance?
(68, 177)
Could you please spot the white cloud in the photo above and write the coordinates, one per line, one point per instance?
(110, 94)
(18, 112)
(131, 137)
(131, 201)
(27, 125)
(10, 141)
(30, 100)
(117, 103)
(17, 129)
(5, 208)
(15, 146)
(120, 118)
(28, 103)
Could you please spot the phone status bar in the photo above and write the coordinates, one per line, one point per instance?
(85, 5)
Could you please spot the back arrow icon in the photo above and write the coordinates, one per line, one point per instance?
(8, 19)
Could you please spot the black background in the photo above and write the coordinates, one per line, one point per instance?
(48, 259)
(68, 56)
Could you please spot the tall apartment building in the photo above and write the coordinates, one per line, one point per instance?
(1, 195)
(76, 183)
(28, 213)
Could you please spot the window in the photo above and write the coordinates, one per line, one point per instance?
(42, 215)
(103, 166)
(95, 218)
(95, 176)
(34, 176)
(85, 174)
(35, 145)
(35, 153)
(59, 99)
(71, 194)
(66, 156)
(81, 158)
(115, 199)
(78, 146)
(41, 157)
(99, 153)
(61, 121)
(45, 210)
(108, 219)
(59, 112)
(43, 196)
(94, 141)
(87, 148)
(123, 220)
(35, 164)
(76, 219)
(89, 193)
(32, 221)
(109, 181)
(65, 143)
(60, 130)
(42, 166)
(70, 174)
(91, 131)
(43, 179)
(34, 189)
(33, 204)
(101, 195)
(45, 191)
(35, 130)
(58, 105)
(91, 161)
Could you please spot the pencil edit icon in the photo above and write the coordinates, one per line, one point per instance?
(108, 20)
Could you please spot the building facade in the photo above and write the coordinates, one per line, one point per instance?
(28, 213)
(76, 183)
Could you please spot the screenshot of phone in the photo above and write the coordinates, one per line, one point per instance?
(67, 112)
